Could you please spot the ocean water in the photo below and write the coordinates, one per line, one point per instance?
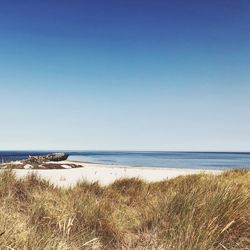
(194, 160)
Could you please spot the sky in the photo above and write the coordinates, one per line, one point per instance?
(125, 75)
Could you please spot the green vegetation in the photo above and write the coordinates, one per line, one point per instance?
(189, 213)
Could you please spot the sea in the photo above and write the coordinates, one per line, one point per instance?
(168, 159)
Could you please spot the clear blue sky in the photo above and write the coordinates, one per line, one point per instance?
(121, 74)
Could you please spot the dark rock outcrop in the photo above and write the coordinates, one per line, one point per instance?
(45, 158)
(50, 161)
(57, 157)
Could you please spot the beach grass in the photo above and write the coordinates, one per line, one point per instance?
(186, 213)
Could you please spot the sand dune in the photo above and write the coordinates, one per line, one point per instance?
(106, 174)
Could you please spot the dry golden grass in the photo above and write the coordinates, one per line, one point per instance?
(189, 212)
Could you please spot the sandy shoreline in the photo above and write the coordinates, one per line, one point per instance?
(106, 173)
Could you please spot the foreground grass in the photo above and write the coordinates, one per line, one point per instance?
(192, 212)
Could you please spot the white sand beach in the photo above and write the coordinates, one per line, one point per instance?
(106, 174)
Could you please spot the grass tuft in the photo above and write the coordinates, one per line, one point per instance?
(186, 213)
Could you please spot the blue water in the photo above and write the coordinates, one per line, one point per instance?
(204, 160)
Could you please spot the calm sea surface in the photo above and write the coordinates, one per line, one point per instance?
(205, 160)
